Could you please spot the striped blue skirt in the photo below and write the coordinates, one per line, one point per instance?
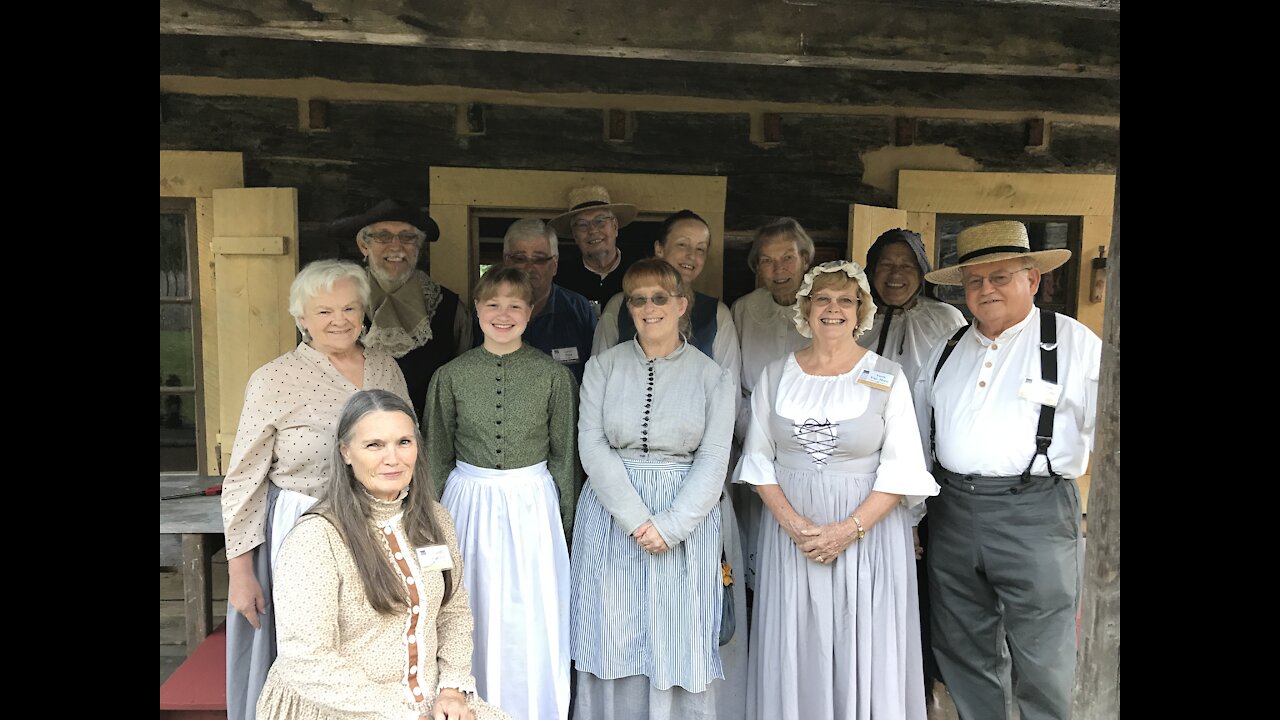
(632, 613)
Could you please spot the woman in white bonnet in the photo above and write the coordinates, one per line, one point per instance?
(833, 449)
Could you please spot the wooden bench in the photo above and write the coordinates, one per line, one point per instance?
(197, 690)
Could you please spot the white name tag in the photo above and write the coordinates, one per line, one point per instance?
(435, 557)
(1040, 391)
(877, 380)
(565, 355)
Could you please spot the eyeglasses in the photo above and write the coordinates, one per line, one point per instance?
(527, 260)
(638, 301)
(585, 225)
(385, 237)
(843, 301)
(997, 279)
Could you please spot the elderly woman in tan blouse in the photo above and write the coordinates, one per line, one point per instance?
(373, 617)
(281, 455)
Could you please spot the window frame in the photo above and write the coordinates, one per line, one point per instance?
(187, 208)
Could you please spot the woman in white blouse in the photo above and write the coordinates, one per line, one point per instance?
(280, 459)
(373, 616)
(833, 449)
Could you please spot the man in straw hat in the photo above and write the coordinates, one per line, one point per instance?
(1010, 402)
(593, 220)
(419, 321)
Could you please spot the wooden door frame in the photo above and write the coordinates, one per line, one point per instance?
(1089, 197)
(458, 193)
(195, 175)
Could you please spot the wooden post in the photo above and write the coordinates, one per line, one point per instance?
(1097, 690)
(196, 589)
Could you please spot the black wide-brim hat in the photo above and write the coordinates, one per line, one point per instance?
(386, 211)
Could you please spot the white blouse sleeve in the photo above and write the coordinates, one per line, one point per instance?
(728, 352)
(606, 334)
(902, 468)
(759, 449)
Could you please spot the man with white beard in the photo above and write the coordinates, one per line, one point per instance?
(419, 321)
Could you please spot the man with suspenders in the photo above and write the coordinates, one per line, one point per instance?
(1010, 405)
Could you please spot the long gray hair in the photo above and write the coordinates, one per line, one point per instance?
(346, 505)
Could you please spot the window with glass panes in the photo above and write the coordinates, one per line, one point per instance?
(181, 442)
(1057, 290)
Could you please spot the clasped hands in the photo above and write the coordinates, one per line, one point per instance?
(648, 538)
(821, 543)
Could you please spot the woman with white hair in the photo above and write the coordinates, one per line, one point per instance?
(280, 459)
(833, 449)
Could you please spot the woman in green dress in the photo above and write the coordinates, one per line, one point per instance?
(501, 423)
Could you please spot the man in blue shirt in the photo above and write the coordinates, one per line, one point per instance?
(563, 321)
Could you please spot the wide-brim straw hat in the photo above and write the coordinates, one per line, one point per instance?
(386, 211)
(591, 197)
(993, 242)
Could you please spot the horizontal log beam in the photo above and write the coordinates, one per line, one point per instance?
(420, 40)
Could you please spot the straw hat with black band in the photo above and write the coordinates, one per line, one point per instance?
(591, 197)
(993, 242)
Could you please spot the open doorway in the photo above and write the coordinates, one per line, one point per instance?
(635, 240)
(475, 206)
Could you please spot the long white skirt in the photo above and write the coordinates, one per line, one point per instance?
(516, 570)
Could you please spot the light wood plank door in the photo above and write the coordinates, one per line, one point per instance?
(255, 255)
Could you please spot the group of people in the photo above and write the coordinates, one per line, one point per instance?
(565, 519)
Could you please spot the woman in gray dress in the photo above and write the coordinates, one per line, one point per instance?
(654, 428)
(833, 449)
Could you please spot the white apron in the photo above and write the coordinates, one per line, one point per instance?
(516, 570)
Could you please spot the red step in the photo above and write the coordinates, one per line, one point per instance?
(197, 690)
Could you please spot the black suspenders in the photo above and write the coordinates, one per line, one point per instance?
(1048, 373)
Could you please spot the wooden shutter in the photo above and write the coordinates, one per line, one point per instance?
(255, 256)
(867, 222)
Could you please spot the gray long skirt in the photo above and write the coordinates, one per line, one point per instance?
(644, 628)
(724, 699)
(251, 651)
(838, 641)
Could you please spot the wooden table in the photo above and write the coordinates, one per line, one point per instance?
(190, 534)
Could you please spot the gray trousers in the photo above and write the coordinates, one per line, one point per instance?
(1004, 558)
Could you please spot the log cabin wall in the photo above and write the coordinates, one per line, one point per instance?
(345, 123)
(804, 106)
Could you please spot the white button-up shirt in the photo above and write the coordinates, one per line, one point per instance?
(984, 427)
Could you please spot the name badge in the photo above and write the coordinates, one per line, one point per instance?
(565, 355)
(1040, 391)
(435, 557)
(877, 380)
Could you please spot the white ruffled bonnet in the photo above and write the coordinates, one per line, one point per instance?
(866, 312)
